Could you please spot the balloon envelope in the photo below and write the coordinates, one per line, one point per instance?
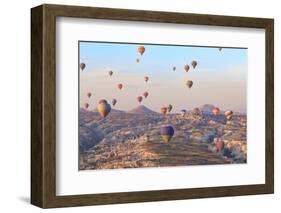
(170, 107)
(82, 66)
(120, 86)
(146, 78)
(86, 105)
(141, 49)
(104, 109)
(194, 64)
(145, 94)
(163, 110)
(114, 101)
(139, 98)
(167, 133)
(189, 83)
(186, 67)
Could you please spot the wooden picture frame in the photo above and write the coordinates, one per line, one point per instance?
(43, 105)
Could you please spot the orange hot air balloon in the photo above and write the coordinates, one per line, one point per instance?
(227, 113)
(186, 67)
(82, 66)
(141, 49)
(86, 105)
(194, 64)
(189, 83)
(89, 94)
(120, 86)
(139, 98)
(110, 72)
(114, 101)
(216, 111)
(145, 94)
(137, 60)
(170, 107)
(146, 78)
(163, 110)
(103, 108)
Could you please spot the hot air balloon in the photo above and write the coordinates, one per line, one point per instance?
(86, 105)
(167, 133)
(89, 94)
(194, 64)
(146, 78)
(228, 115)
(103, 108)
(82, 66)
(219, 145)
(141, 49)
(139, 98)
(169, 107)
(120, 86)
(137, 60)
(163, 110)
(186, 67)
(114, 101)
(110, 73)
(189, 83)
(183, 112)
(145, 94)
(174, 68)
(216, 111)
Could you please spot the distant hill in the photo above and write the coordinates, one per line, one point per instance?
(142, 110)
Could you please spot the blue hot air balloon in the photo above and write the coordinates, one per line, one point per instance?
(167, 133)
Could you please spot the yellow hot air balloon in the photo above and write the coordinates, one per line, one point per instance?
(189, 83)
(103, 108)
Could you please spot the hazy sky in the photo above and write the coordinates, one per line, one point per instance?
(220, 77)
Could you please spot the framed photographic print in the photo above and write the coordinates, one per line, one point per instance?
(137, 106)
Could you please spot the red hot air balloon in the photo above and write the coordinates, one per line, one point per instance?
(145, 94)
(163, 110)
(146, 78)
(86, 105)
(216, 111)
(186, 67)
(120, 86)
(194, 64)
(82, 66)
(103, 108)
(167, 133)
(114, 101)
(139, 98)
(89, 94)
(141, 50)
